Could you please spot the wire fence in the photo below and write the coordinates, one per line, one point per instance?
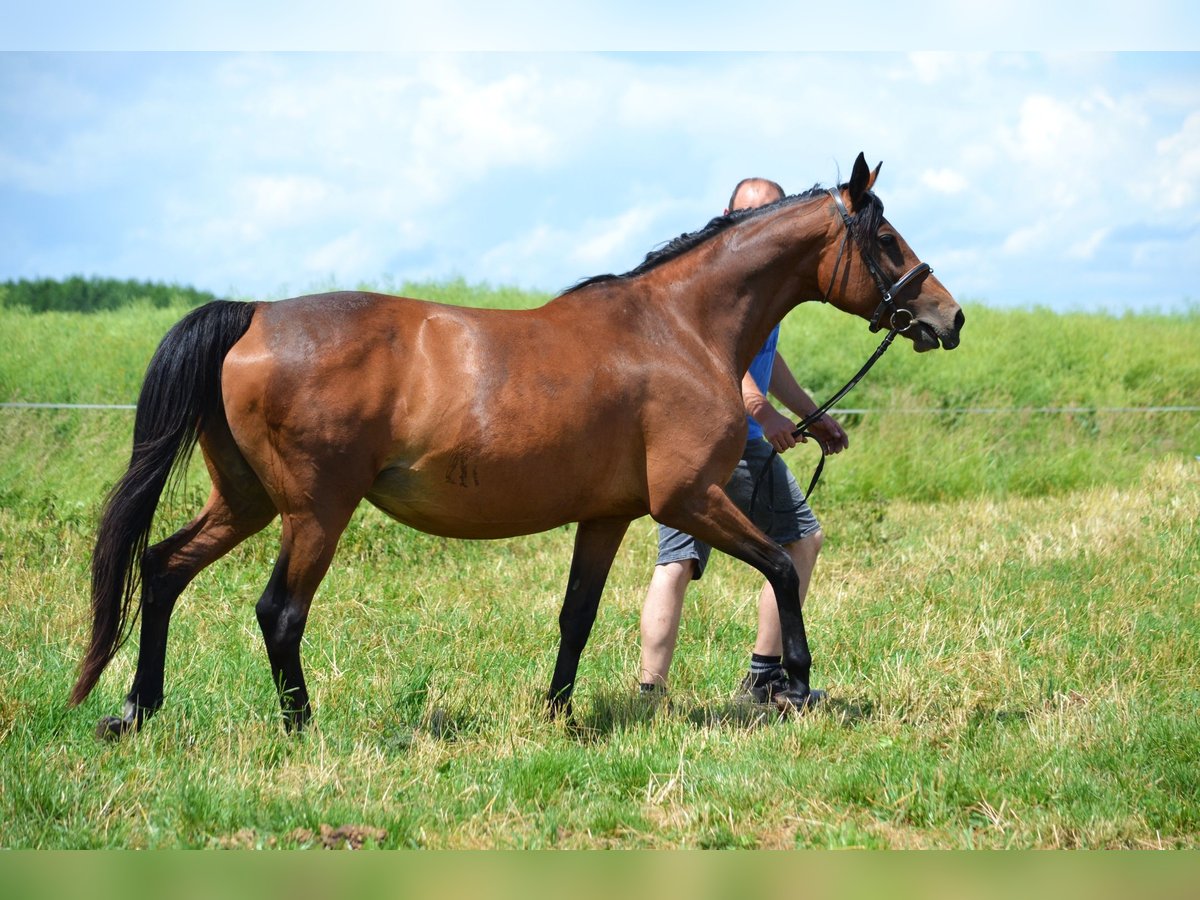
(67, 406)
(916, 411)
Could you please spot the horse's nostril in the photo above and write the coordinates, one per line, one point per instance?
(959, 319)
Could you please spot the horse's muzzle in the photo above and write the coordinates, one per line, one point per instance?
(927, 337)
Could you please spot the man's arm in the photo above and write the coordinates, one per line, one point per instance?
(777, 428)
(785, 387)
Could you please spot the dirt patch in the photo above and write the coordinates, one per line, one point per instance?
(342, 837)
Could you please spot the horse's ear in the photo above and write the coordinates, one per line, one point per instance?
(861, 180)
(874, 175)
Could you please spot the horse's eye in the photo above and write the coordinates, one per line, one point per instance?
(887, 240)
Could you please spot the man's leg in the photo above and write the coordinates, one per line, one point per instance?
(660, 619)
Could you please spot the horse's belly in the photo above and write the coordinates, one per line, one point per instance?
(462, 500)
(456, 521)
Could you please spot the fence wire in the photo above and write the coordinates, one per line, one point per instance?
(883, 410)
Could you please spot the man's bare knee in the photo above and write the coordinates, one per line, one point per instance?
(804, 552)
(676, 572)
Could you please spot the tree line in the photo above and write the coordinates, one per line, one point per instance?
(79, 294)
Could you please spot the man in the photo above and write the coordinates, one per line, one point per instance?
(780, 510)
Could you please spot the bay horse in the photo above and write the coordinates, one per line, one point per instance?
(619, 398)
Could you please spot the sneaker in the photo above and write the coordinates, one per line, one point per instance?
(771, 688)
(653, 696)
(763, 688)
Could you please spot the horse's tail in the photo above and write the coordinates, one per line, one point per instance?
(181, 393)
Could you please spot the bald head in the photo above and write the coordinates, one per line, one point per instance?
(752, 193)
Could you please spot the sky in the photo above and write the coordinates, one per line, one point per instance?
(254, 159)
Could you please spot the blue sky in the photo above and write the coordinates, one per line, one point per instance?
(1066, 176)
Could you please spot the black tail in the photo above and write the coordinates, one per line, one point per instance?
(180, 394)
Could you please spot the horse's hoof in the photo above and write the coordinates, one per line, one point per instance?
(111, 728)
(557, 711)
(294, 726)
(795, 701)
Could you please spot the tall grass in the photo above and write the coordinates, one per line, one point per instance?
(1005, 617)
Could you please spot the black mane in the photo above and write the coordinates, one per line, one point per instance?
(864, 225)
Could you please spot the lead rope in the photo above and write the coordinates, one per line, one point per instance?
(801, 429)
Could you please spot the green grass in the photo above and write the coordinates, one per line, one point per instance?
(1005, 616)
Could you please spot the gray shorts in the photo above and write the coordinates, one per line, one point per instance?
(780, 510)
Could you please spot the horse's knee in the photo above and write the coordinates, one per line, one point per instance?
(282, 623)
(290, 627)
(781, 571)
(267, 611)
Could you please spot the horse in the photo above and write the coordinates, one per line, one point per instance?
(617, 399)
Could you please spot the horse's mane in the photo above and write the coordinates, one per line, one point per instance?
(863, 225)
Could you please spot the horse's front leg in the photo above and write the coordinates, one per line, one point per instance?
(596, 545)
(715, 519)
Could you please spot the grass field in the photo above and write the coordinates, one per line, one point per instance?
(1006, 618)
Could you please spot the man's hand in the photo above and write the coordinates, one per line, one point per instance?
(777, 429)
(832, 436)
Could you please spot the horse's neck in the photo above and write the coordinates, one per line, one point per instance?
(740, 285)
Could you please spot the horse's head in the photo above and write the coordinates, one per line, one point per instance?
(873, 273)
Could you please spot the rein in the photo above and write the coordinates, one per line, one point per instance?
(801, 429)
(900, 317)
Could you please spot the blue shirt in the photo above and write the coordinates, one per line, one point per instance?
(760, 371)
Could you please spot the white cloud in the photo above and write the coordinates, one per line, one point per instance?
(1178, 161)
(1086, 248)
(1049, 132)
(345, 255)
(283, 200)
(578, 250)
(944, 181)
(472, 127)
(614, 235)
(512, 258)
(1026, 239)
(930, 67)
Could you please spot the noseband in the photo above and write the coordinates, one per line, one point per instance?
(887, 305)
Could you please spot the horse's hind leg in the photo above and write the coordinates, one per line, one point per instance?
(596, 545)
(167, 568)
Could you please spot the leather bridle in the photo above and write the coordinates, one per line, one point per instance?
(888, 304)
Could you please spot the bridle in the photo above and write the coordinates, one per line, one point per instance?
(887, 304)
(900, 319)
